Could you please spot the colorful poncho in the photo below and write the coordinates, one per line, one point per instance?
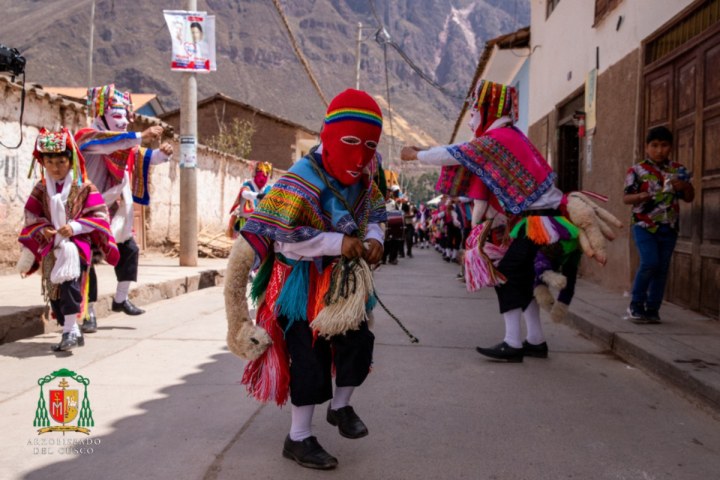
(508, 165)
(299, 207)
(135, 160)
(84, 205)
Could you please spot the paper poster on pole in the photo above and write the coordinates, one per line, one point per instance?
(193, 40)
(188, 151)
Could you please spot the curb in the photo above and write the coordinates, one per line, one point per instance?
(35, 320)
(684, 375)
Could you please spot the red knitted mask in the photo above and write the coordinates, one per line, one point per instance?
(350, 135)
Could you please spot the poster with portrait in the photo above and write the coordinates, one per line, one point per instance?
(193, 40)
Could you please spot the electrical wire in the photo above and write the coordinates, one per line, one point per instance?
(382, 37)
(299, 53)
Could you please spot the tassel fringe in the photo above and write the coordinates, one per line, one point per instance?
(481, 258)
(351, 288)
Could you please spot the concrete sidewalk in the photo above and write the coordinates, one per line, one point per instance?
(23, 312)
(683, 351)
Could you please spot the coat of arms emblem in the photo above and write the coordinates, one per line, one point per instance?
(64, 406)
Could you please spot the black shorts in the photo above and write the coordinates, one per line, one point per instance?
(311, 361)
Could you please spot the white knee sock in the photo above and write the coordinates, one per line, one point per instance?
(121, 292)
(535, 333)
(71, 325)
(342, 397)
(301, 427)
(513, 335)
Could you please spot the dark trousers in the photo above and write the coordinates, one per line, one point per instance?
(518, 266)
(454, 234)
(655, 251)
(409, 239)
(69, 299)
(391, 248)
(311, 361)
(125, 271)
(570, 270)
(422, 235)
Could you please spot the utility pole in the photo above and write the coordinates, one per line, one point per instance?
(90, 49)
(188, 172)
(357, 56)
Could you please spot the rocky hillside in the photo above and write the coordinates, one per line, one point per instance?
(256, 62)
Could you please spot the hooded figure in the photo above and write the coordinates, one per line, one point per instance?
(251, 192)
(119, 167)
(319, 220)
(64, 217)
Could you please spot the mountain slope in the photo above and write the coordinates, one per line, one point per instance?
(256, 63)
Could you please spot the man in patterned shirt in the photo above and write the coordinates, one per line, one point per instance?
(653, 187)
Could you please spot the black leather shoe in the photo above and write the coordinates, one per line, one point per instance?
(538, 351)
(90, 323)
(126, 307)
(68, 342)
(502, 351)
(347, 421)
(308, 453)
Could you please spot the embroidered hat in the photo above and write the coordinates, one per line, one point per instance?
(59, 143)
(491, 101)
(101, 99)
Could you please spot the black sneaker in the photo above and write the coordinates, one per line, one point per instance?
(652, 315)
(308, 453)
(637, 314)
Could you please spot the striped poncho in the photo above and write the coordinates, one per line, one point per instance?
(84, 205)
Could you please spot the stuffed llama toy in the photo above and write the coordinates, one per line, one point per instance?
(244, 338)
(595, 224)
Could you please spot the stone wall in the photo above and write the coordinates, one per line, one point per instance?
(219, 176)
(42, 109)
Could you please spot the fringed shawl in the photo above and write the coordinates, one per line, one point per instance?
(85, 205)
(509, 165)
(135, 160)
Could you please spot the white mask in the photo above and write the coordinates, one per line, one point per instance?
(116, 119)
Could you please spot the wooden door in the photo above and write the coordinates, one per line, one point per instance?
(683, 93)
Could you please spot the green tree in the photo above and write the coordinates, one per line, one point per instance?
(234, 138)
(421, 188)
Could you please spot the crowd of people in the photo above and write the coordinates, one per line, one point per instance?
(311, 239)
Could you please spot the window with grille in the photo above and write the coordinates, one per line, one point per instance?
(705, 17)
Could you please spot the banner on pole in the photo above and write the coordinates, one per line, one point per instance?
(193, 40)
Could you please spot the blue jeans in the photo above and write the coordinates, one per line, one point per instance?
(655, 251)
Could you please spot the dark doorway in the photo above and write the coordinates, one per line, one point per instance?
(568, 164)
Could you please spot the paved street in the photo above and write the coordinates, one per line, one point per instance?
(167, 402)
